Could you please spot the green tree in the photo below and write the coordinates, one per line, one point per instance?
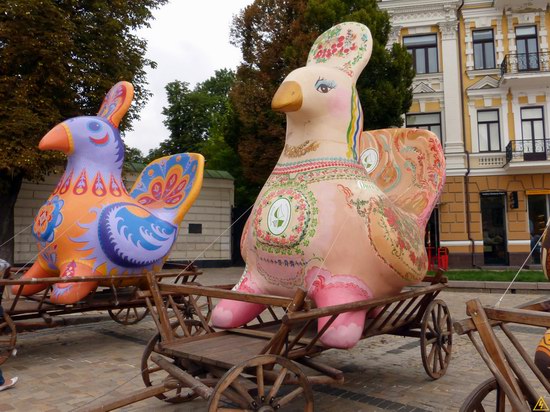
(275, 37)
(198, 121)
(133, 155)
(191, 114)
(57, 60)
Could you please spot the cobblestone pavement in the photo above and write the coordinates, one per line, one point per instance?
(65, 368)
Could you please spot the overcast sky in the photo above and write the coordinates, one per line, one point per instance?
(189, 40)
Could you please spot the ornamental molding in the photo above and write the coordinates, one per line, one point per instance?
(470, 15)
(423, 88)
(487, 82)
(413, 12)
(395, 33)
(448, 29)
(428, 78)
(472, 74)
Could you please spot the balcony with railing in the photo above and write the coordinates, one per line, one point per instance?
(525, 69)
(527, 151)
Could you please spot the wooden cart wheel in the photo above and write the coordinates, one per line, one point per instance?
(486, 396)
(194, 327)
(128, 316)
(264, 383)
(203, 303)
(436, 338)
(8, 337)
(153, 374)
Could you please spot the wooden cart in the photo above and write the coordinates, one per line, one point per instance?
(269, 363)
(123, 303)
(509, 388)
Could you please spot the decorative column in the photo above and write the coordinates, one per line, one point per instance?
(499, 43)
(512, 43)
(454, 145)
(395, 33)
(543, 42)
(468, 47)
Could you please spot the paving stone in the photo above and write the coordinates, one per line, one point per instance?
(65, 368)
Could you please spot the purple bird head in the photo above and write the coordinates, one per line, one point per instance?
(94, 139)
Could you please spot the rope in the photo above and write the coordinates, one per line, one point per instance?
(111, 391)
(328, 252)
(60, 236)
(214, 241)
(17, 234)
(523, 265)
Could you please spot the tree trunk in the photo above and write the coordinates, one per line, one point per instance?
(9, 186)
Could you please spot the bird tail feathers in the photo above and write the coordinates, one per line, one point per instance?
(169, 186)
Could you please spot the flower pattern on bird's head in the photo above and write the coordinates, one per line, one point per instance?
(346, 46)
(49, 217)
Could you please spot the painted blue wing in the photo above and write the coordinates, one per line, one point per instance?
(130, 236)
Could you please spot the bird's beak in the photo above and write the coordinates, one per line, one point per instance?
(59, 138)
(288, 97)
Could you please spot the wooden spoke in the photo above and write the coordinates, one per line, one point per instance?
(436, 331)
(277, 385)
(284, 382)
(152, 375)
(260, 380)
(487, 396)
(291, 396)
(191, 306)
(128, 316)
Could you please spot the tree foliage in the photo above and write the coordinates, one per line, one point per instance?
(198, 121)
(275, 37)
(192, 114)
(57, 60)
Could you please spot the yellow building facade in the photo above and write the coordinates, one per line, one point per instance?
(483, 86)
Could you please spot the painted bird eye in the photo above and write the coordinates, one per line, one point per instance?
(94, 126)
(324, 85)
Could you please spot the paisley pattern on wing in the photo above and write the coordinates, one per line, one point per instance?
(164, 185)
(130, 236)
(409, 169)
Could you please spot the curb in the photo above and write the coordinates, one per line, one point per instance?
(494, 287)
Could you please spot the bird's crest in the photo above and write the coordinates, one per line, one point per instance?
(116, 102)
(346, 46)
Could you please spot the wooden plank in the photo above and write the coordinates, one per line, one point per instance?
(526, 357)
(53, 280)
(147, 293)
(356, 306)
(466, 325)
(77, 279)
(334, 373)
(507, 391)
(190, 382)
(490, 342)
(226, 294)
(521, 316)
(133, 397)
(223, 351)
(165, 329)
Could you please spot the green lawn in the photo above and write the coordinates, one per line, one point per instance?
(496, 275)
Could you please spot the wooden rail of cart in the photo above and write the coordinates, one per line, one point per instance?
(265, 365)
(123, 303)
(509, 388)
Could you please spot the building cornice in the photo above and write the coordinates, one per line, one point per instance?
(472, 14)
(419, 12)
